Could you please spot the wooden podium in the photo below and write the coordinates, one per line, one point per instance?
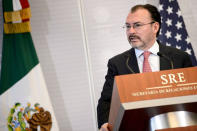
(139, 97)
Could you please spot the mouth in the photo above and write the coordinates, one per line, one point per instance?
(133, 38)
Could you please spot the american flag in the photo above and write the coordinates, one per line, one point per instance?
(173, 31)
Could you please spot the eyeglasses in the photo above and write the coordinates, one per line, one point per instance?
(136, 26)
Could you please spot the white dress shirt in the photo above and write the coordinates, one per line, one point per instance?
(153, 58)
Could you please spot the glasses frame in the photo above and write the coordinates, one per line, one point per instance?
(136, 25)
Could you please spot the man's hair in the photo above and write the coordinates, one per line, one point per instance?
(155, 15)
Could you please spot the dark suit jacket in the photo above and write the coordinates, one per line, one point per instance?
(118, 65)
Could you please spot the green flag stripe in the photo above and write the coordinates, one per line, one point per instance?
(18, 58)
(7, 5)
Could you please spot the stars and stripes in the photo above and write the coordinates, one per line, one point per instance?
(173, 31)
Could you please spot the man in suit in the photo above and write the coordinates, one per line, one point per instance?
(142, 28)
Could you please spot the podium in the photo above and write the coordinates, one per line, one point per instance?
(138, 98)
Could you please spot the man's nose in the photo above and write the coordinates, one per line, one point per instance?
(131, 30)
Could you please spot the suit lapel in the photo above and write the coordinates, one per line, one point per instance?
(164, 63)
(133, 61)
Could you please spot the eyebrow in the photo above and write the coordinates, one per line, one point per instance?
(132, 23)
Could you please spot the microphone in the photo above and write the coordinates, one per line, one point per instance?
(166, 57)
(127, 64)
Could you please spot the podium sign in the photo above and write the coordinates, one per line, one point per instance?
(138, 97)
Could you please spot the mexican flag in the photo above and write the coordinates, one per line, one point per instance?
(24, 100)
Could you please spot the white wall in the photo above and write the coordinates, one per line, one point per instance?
(74, 40)
(57, 34)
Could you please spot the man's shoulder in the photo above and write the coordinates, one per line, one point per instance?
(180, 58)
(169, 50)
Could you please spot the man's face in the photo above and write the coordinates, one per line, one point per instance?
(141, 29)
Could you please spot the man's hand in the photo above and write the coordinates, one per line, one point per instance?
(104, 127)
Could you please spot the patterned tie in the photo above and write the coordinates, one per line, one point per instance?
(146, 65)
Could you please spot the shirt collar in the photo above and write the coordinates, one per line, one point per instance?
(154, 49)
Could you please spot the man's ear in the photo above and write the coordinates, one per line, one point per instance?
(156, 27)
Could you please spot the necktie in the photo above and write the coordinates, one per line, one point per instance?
(146, 65)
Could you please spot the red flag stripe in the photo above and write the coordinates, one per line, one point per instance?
(24, 3)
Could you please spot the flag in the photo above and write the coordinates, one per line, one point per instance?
(173, 30)
(24, 100)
